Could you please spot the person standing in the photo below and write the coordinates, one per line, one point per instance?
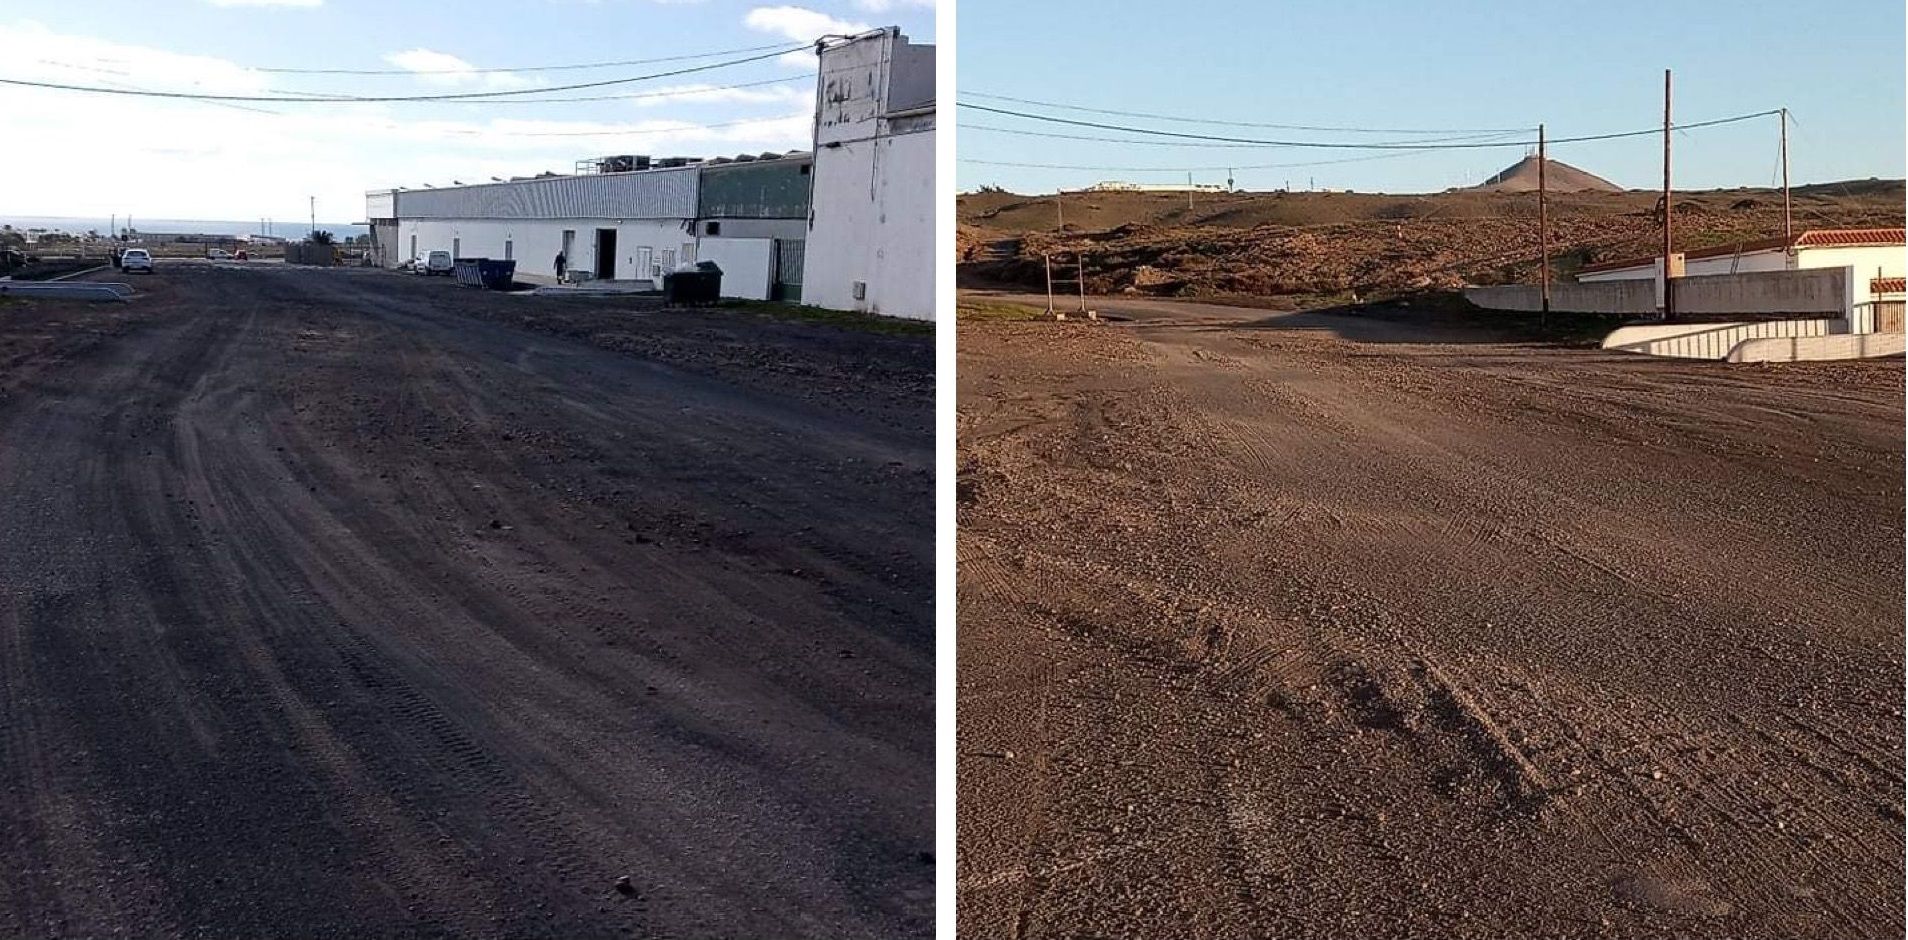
(561, 264)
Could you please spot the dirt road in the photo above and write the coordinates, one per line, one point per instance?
(1309, 626)
(345, 604)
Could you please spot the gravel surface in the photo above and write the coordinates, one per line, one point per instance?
(1313, 626)
(348, 604)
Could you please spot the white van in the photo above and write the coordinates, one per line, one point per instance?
(433, 262)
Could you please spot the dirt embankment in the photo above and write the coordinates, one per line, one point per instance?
(1337, 245)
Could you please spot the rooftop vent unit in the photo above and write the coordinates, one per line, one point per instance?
(621, 163)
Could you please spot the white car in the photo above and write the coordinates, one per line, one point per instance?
(432, 262)
(218, 254)
(136, 259)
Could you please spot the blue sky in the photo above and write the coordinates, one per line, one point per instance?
(95, 155)
(1581, 68)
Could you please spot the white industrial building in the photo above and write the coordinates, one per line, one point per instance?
(850, 227)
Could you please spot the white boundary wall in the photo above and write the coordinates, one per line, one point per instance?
(1813, 348)
(1712, 340)
(747, 264)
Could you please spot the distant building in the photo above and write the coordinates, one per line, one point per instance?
(850, 226)
(1115, 186)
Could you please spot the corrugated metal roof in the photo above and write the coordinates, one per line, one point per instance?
(1814, 238)
(649, 194)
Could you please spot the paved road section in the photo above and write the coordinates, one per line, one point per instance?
(1292, 625)
(346, 604)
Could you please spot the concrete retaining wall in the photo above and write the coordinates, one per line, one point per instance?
(1821, 291)
(1637, 297)
(1809, 348)
(1713, 340)
(1814, 292)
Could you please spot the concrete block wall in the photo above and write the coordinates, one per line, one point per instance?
(1820, 291)
(1635, 297)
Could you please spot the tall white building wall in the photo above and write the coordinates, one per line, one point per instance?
(871, 231)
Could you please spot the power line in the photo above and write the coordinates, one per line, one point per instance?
(645, 130)
(521, 68)
(1287, 127)
(679, 92)
(1172, 143)
(368, 99)
(1347, 145)
(1190, 169)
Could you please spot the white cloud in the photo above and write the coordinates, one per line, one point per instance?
(442, 68)
(883, 6)
(800, 23)
(267, 3)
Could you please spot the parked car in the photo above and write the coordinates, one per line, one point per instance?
(433, 262)
(136, 259)
(218, 254)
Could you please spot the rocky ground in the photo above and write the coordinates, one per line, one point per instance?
(1302, 625)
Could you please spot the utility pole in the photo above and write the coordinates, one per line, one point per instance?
(1060, 210)
(1543, 219)
(1669, 292)
(314, 217)
(1189, 192)
(1788, 229)
(1049, 261)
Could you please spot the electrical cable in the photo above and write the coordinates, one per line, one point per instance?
(1348, 145)
(366, 99)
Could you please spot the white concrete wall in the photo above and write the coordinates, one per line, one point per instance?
(748, 264)
(871, 216)
(1712, 340)
(873, 224)
(534, 243)
(1815, 348)
(1774, 259)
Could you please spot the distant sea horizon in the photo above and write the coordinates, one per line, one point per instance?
(79, 225)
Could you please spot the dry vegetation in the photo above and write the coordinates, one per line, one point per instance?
(1338, 245)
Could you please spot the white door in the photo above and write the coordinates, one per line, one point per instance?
(644, 267)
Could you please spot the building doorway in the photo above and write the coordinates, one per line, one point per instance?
(457, 248)
(605, 254)
(569, 247)
(509, 250)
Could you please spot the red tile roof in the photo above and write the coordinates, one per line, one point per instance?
(1814, 238)
(1888, 285)
(1851, 237)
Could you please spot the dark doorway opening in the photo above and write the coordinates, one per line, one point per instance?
(605, 254)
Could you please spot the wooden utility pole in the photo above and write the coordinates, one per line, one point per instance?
(1049, 260)
(1669, 292)
(1788, 228)
(1543, 216)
